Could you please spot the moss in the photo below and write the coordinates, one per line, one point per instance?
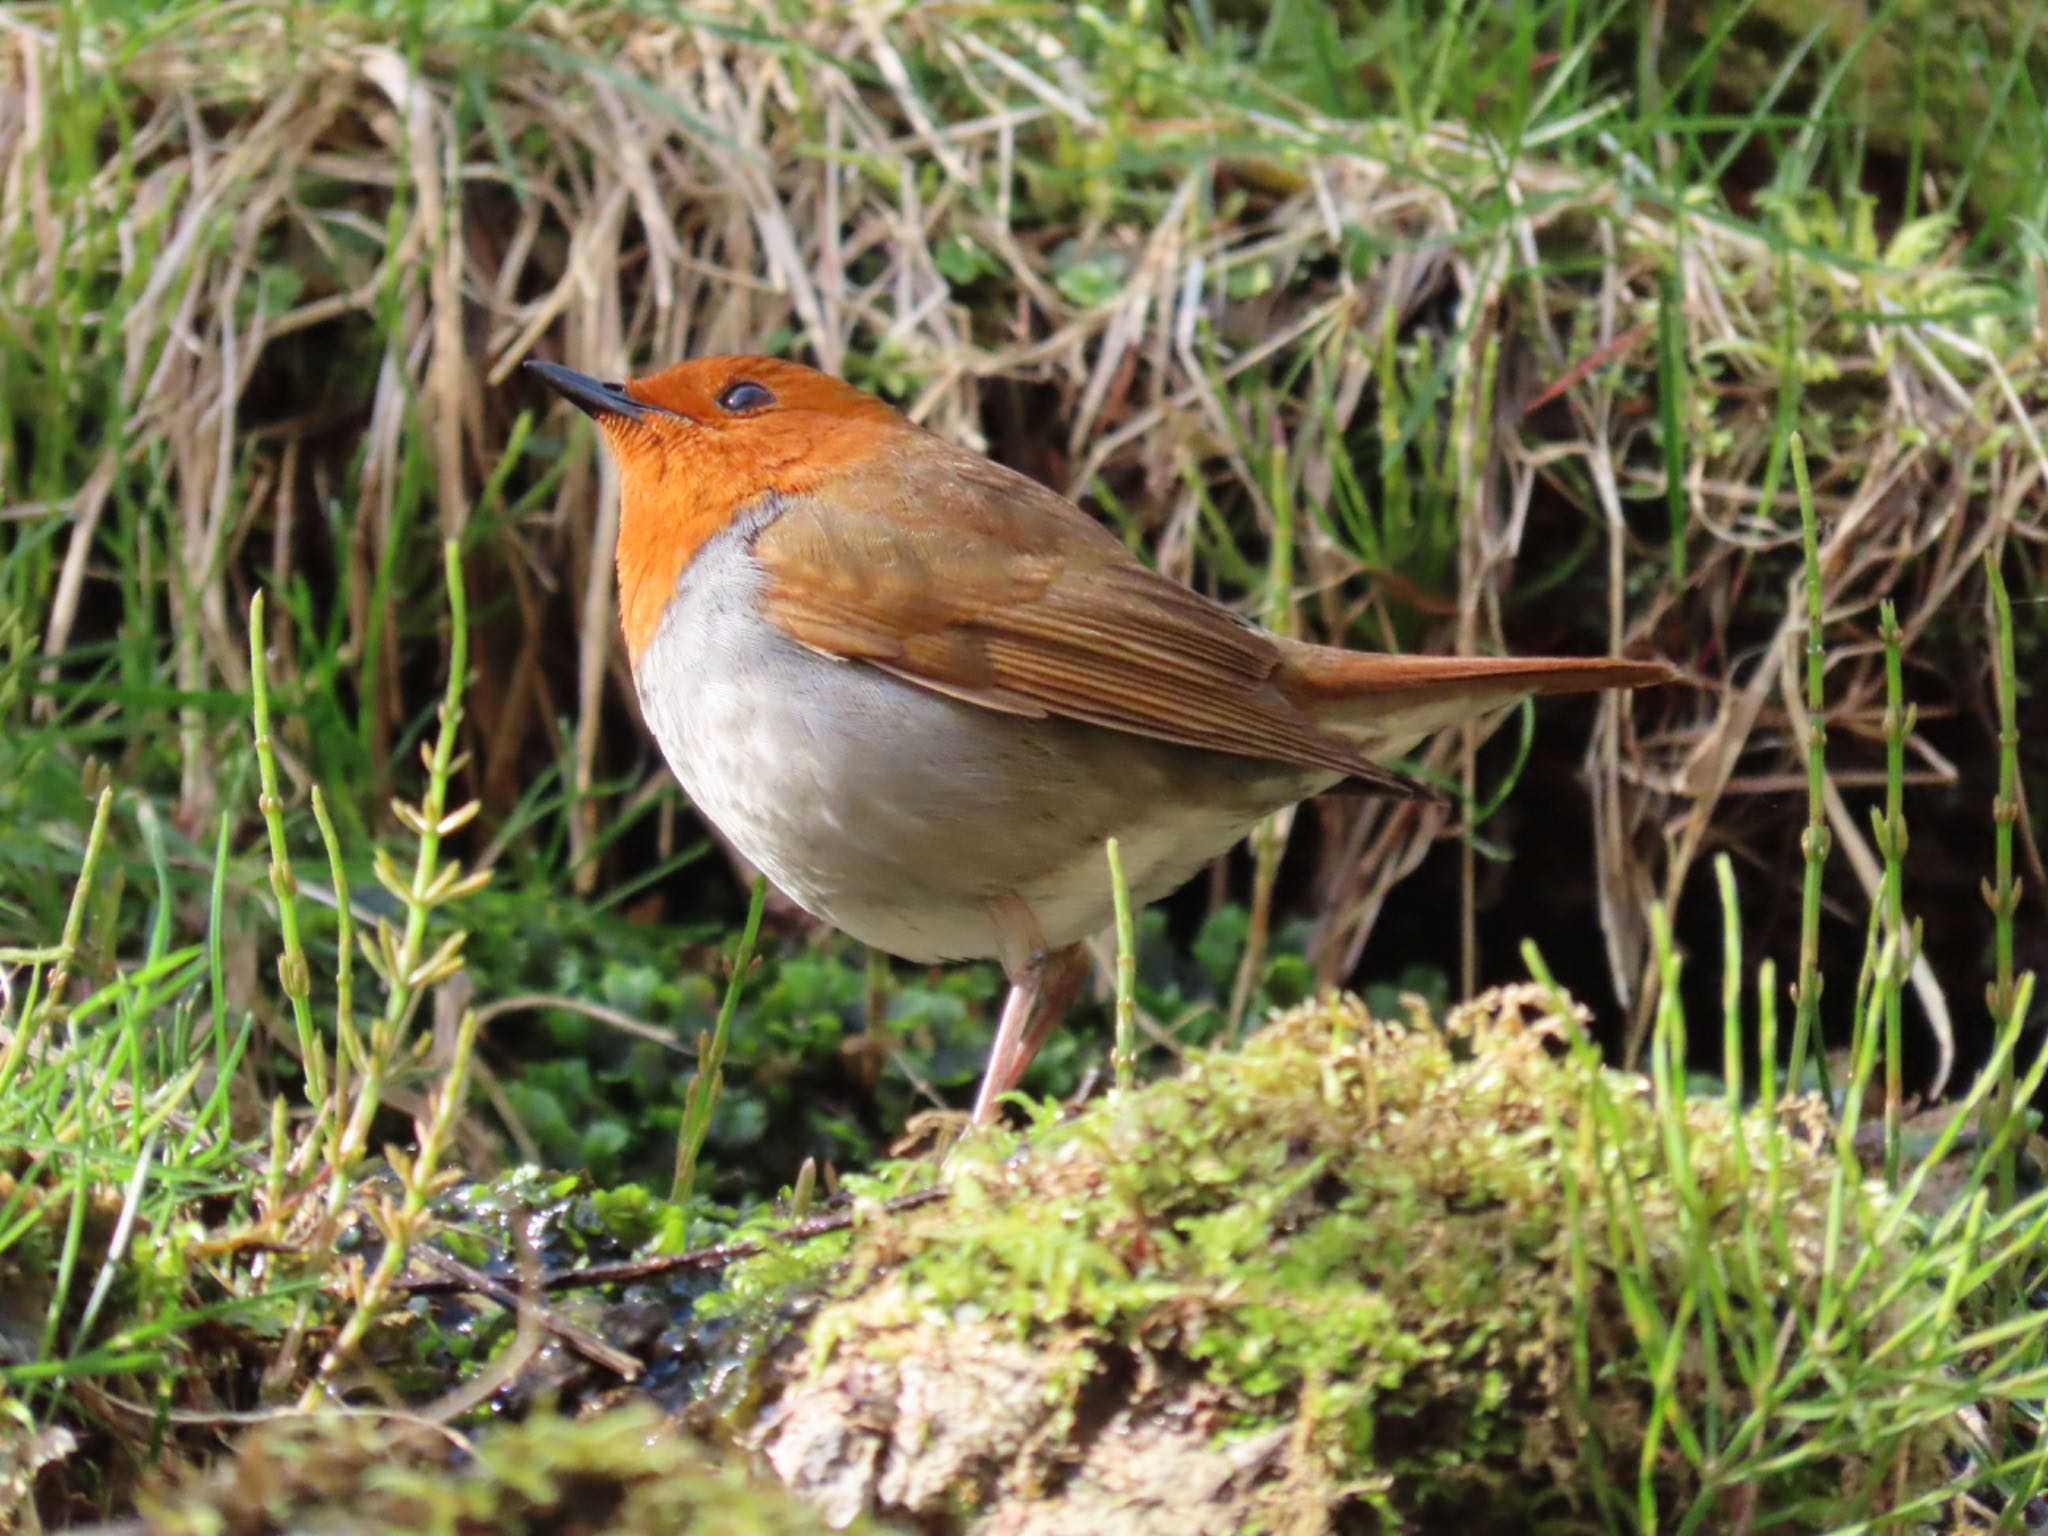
(626, 1472)
(1412, 1273)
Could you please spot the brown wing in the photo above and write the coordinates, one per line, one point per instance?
(966, 578)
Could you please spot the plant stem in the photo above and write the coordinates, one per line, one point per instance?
(1124, 1059)
(2002, 892)
(1890, 830)
(1671, 385)
(701, 1097)
(1813, 842)
(35, 1011)
(293, 973)
(406, 1220)
(402, 963)
(348, 1053)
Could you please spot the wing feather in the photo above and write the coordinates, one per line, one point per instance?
(953, 573)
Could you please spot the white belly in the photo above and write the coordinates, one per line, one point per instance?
(903, 817)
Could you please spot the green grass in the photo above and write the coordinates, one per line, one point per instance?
(1414, 326)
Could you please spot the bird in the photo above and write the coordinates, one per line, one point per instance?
(920, 691)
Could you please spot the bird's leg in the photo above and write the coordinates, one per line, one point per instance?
(1042, 985)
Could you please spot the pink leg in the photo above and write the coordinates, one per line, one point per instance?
(1041, 988)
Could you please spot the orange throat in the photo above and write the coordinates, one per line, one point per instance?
(652, 556)
(671, 503)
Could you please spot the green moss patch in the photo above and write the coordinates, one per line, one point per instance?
(1372, 1275)
(623, 1473)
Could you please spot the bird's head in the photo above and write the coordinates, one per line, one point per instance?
(699, 443)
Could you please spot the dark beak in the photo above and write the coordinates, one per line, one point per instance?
(591, 396)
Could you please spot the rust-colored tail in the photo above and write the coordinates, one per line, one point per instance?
(1321, 674)
(1389, 702)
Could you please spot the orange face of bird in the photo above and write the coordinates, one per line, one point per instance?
(699, 443)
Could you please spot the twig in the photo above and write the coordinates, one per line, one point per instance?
(467, 1277)
(716, 1256)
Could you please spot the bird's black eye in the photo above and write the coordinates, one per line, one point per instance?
(745, 395)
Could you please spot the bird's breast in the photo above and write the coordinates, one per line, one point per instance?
(901, 815)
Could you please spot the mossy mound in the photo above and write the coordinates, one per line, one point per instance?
(624, 1473)
(1364, 1275)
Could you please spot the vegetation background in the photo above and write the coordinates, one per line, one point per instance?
(1417, 326)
